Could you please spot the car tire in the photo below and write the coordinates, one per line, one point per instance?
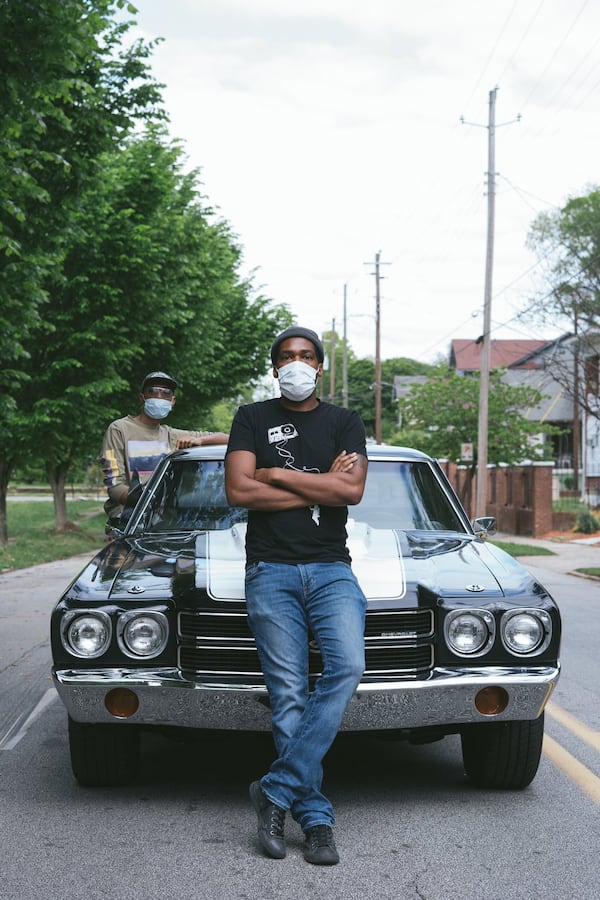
(104, 755)
(503, 755)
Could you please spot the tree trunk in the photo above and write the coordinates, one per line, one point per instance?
(57, 477)
(6, 468)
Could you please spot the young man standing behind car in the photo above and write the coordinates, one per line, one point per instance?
(296, 463)
(134, 445)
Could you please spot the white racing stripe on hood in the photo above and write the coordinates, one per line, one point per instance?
(225, 563)
(376, 562)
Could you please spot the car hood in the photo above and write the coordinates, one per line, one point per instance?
(407, 568)
(389, 564)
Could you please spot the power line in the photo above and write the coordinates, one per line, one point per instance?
(492, 51)
(523, 36)
(555, 53)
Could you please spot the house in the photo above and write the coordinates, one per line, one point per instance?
(547, 366)
(566, 371)
(465, 355)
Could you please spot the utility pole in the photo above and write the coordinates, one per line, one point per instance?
(484, 375)
(377, 385)
(576, 405)
(377, 350)
(322, 379)
(484, 371)
(332, 363)
(345, 358)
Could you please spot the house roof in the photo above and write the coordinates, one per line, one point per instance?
(465, 355)
(556, 404)
(403, 384)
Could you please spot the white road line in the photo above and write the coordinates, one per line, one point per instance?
(10, 740)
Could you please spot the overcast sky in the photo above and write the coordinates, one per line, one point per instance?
(329, 130)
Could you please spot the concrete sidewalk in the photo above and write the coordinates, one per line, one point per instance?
(569, 554)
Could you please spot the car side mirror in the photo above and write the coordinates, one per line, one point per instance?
(485, 526)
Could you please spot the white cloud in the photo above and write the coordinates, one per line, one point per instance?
(328, 131)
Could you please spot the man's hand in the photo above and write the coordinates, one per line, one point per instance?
(279, 488)
(184, 443)
(210, 439)
(343, 462)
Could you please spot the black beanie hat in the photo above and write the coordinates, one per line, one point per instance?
(297, 331)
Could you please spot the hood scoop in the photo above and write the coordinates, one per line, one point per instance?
(423, 546)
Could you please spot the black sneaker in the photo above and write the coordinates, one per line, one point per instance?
(320, 848)
(270, 822)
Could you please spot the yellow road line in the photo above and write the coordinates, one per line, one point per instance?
(584, 732)
(573, 769)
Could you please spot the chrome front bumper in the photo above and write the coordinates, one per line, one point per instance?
(167, 698)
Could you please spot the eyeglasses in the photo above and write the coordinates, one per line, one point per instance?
(155, 391)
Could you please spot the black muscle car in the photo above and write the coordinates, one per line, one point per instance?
(459, 638)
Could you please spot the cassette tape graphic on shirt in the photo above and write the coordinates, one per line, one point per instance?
(280, 433)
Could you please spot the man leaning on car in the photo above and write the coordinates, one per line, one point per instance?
(296, 463)
(134, 445)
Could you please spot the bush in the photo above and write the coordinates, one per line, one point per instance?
(586, 522)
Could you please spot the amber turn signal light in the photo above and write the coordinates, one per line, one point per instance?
(121, 702)
(491, 700)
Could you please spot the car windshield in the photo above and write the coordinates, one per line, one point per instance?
(406, 496)
(190, 496)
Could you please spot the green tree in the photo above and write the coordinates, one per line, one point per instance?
(361, 385)
(567, 242)
(69, 92)
(442, 414)
(149, 282)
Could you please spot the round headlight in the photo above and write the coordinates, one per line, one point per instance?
(469, 632)
(88, 634)
(145, 634)
(523, 632)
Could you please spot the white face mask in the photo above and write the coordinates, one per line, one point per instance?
(157, 409)
(297, 381)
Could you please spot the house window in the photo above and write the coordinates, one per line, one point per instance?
(562, 446)
(591, 375)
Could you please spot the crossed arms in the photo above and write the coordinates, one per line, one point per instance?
(275, 489)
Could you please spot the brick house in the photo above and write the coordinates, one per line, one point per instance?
(544, 365)
(565, 371)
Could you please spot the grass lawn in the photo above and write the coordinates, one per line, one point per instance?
(522, 549)
(590, 570)
(32, 538)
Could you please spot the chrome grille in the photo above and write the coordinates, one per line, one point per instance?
(203, 626)
(397, 643)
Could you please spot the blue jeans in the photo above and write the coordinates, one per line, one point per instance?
(286, 604)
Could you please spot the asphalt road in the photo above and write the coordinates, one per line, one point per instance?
(409, 823)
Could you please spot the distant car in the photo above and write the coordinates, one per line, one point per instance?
(153, 634)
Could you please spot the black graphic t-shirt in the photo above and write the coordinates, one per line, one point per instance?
(305, 441)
